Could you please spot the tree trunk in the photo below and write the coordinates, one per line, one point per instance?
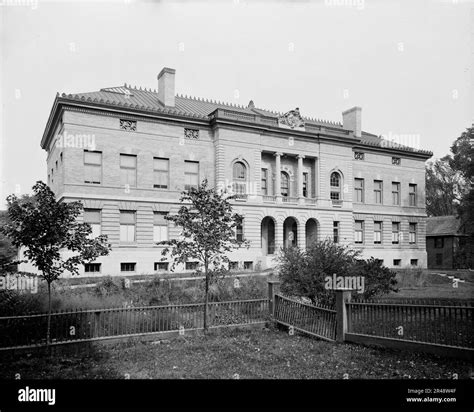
(48, 329)
(206, 295)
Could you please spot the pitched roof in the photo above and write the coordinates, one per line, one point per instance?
(442, 226)
(147, 99)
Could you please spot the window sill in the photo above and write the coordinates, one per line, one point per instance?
(131, 244)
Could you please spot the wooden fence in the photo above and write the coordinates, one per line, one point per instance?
(87, 325)
(451, 325)
(314, 320)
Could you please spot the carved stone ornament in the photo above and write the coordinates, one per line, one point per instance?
(292, 120)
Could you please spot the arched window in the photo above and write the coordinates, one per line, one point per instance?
(239, 173)
(336, 184)
(285, 184)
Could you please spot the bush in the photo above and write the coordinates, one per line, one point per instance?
(303, 273)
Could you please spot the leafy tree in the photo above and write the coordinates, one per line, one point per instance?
(8, 252)
(444, 188)
(208, 227)
(45, 228)
(303, 273)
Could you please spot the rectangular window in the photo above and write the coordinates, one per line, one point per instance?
(395, 193)
(127, 267)
(359, 231)
(248, 265)
(233, 265)
(239, 232)
(414, 262)
(161, 173)
(128, 170)
(191, 174)
(161, 266)
(439, 243)
(412, 194)
(395, 233)
(127, 226)
(397, 262)
(378, 191)
(378, 232)
(191, 265)
(160, 227)
(335, 232)
(264, 181)
(305, 184)
(92, 216)
(359, 190)
(439, 259)
(92, 167)
(412, 233)
(92, 267)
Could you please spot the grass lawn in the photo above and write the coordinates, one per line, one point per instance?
(251, 354)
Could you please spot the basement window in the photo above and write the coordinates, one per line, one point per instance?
(127, 267)
(92, 268)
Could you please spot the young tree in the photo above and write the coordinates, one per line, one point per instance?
(45, 229)
(208, 232)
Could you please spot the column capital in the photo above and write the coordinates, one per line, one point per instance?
(300, 156)
(278, 154)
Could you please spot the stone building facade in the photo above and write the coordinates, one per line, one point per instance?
(128, 152)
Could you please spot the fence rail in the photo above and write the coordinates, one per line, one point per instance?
(314, 320)
(451, 325)
(73, 326)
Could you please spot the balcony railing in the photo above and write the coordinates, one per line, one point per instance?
(288, 199)
(337, 203)
(310, 201)
(242, 197)
(269, 198)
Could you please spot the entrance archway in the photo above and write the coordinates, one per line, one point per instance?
(267, 233)
(311, 230)
(290, 232)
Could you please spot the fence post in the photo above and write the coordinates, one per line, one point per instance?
(273, 289)
(96, 324)
(342, 296)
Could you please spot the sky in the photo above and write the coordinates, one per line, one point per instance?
(408, 64)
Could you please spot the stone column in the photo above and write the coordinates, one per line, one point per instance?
(300, 178)
(278, 177)
(278, 235)
(301, 240)
(315, 185)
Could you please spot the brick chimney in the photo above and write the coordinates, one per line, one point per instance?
(166, 86)
(352, 120)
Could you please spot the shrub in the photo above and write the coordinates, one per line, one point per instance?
(379, 280)
(303, 273)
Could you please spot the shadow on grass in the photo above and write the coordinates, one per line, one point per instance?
(85, 360)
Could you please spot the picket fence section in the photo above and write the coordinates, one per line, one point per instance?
(447, 324)
(85, 325)
(314, 320)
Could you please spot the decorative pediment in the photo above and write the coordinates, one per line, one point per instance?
(292, 120)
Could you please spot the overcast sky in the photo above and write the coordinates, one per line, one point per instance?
(408, 64)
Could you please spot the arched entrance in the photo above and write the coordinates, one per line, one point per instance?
(290, 232)
(267, 233)
(311, 231)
